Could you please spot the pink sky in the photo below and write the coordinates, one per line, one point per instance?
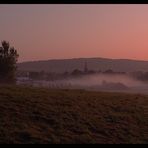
(42, 32)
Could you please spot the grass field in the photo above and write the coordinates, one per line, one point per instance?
(38, 115)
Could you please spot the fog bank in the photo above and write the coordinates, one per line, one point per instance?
(103, 82)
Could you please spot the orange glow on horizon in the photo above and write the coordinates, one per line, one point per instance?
(71, 31)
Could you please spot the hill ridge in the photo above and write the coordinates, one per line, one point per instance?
(62, 65)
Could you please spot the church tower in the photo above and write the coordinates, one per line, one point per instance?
(85, 67)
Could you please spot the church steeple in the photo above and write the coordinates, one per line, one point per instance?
(85, 67)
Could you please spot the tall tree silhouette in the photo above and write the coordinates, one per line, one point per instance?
(8, 59)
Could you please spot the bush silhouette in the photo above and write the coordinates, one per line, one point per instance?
(8, 59)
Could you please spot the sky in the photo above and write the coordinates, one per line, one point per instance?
(62, 31)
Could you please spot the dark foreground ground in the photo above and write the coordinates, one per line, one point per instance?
(35, 115)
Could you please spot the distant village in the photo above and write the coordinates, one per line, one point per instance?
(51, 76)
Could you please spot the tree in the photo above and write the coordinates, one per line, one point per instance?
(8, 59)
(76, 72)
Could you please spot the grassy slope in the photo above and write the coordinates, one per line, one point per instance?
(35, 115)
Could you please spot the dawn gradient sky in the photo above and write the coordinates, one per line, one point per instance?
(72, 31)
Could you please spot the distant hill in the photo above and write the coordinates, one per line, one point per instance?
(62, 65)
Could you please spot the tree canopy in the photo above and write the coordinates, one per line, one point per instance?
(8, 60)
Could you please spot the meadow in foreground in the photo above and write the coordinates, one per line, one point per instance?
(38, 115)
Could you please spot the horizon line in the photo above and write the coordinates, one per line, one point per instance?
(82, 58)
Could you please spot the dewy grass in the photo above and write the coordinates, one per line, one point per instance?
(39, 115)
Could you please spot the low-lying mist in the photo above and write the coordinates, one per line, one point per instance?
(111, 82)
(97, 79)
